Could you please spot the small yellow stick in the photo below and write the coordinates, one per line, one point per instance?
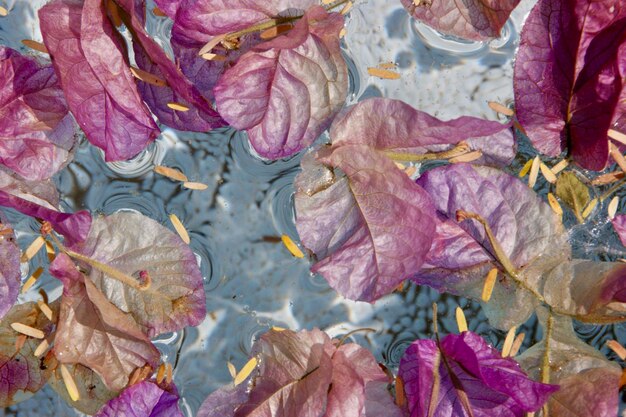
(508, 342)
(461, 322)
(245, 371)
(490, 281)
(70, 384)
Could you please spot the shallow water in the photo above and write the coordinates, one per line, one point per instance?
(253, 283)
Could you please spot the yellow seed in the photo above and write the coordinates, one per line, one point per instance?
(342, 33)
(347, 8)
(490, 281)
(245, 371)
(617, 156)
(468, 157)
(147, 77)
(612, 209)
(560, 166)
(37, 46)
(278, 329)
(41, 348)
(160, 373)
(461, 322)
(231, 369)
(383, 73)
(387, 65)
(517, 344)
(32, 250)
(168, 373)
(554, 204)
(292, 247)
(3, 11)
(500, 108)
(180, 229)
(534, 172)
(616, 347)
(158, 12)
(525, 168)
(177, 106)
(617, 136)
(508, 342)
(171, 173)
(327, 1)
(547, 173)
(195, 185)
(27, 330)
(45, 309)
(213, 57)
(587, 211)
(31, 280)
(608, 178)
(70, 385)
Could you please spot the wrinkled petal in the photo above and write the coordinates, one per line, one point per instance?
(470, 19)
(133, 243)
(37, 135)
(394, 126)
(370, 228)
(145, 399)
(98, 85)
(224, 402)
(525, 227)
(21, 372)
(10, 272)
(567, 77)
(93, 332)
(494, 386)
(286, 91)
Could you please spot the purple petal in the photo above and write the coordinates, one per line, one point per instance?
(370, 229)
(567, 78)
(201, 116)
(135, 244)
(471, 19)
(391, 125)
(97, 82)
(495, 386)
(21, 372)
(286, 96)
(145, 399)
(224, 402)
(73, 226)
(525, 227)
(93, 332)
(36, 133)
(619, 224)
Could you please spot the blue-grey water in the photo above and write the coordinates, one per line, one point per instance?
(252, 283)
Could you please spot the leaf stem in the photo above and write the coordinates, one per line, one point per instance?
(108, 270)
(460, 149)
(545, 363)
(347, 335)
(611, 190)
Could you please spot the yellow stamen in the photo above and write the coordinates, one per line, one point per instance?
(245, 371)
(490, 281)
(461, 322)
(180, 229)
(292, 247)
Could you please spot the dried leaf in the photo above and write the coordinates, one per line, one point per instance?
(573, 193)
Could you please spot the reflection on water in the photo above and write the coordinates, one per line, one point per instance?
(252, 282)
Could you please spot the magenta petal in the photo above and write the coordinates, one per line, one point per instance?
(619, 224)
(73, 226)
(36, 133)
(145, 399)
(567, 78)
(201, 116)
(471, 19)
(224, 402)
(495, 386)
(370, 229)
(392, 125)
(98, 85)
(10, 272)
(286, 96)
